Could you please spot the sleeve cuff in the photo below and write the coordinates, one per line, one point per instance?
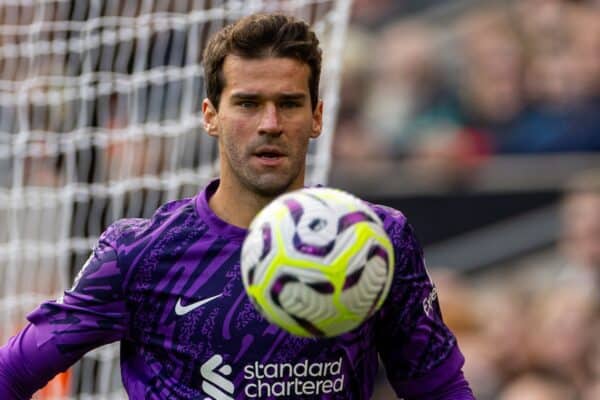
(416, 387)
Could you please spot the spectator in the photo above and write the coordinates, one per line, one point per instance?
(562, 82)
(580, 238)
(354, 138)
(490, 86)
(538, 385)
(406, 103)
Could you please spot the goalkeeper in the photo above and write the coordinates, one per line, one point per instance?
(169, 288)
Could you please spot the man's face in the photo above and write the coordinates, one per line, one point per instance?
(581, 228)
(264, 123)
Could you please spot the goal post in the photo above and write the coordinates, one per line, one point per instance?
(100, 119)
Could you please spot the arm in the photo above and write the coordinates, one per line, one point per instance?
(456, 388)
(419, 352)
(26, 367)
(92, 313)
(453, 387)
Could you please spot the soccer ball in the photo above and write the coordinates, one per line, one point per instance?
(317, 262)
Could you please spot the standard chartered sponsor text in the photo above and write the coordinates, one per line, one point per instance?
(286, 379)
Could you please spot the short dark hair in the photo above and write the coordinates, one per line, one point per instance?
(258, 36)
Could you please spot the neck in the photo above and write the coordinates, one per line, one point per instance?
(235, 205)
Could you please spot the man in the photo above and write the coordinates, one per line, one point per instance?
(170, 290)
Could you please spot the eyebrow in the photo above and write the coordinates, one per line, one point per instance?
(256, 96)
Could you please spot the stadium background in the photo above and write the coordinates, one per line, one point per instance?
(481, 121)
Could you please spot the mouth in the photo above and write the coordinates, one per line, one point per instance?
(269, 155)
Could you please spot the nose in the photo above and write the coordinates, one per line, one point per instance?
(270, 123)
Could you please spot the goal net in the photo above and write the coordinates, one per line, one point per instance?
(100, 119)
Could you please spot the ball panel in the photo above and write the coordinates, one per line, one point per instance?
(257, 254)
(314, 229)
(302, 302)
(302, 298)
(348, 220)
(362, 297)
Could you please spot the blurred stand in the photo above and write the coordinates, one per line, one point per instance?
(500, 210)
(528, 323)
(470, 115)
(480, 120)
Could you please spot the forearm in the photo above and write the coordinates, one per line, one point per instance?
(9, 388)
(445, 382)
(455, 389)
(26, 366)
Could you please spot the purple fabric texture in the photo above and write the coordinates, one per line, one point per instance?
(170, 290)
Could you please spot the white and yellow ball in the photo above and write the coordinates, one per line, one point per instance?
(317, 262)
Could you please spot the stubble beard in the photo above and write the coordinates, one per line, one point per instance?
(269, 184)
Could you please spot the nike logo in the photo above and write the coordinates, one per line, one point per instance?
(180, 309)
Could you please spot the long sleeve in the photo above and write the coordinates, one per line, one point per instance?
(457, 388)
(92, 313)
(26, 367)
(419, 352)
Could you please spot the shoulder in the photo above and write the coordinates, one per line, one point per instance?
(129, 242)
(394, 221)
(125, 231)
(408, 249)
(387, 214)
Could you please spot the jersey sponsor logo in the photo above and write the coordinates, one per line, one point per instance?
(181, 310)
(429, 302)
(215, 383)
(274, 380)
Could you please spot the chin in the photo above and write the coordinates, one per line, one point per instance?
(272, 187)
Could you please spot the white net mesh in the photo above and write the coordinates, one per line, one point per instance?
(100, 119)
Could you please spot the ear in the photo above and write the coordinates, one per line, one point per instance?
(210, 117)
(317, 120)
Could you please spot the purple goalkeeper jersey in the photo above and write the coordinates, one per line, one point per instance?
(170, 290)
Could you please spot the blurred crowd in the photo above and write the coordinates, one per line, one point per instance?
(448, 89)
(530, 330)
(445, 88)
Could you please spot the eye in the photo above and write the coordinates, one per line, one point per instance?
(247, 104)
(290, 104)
